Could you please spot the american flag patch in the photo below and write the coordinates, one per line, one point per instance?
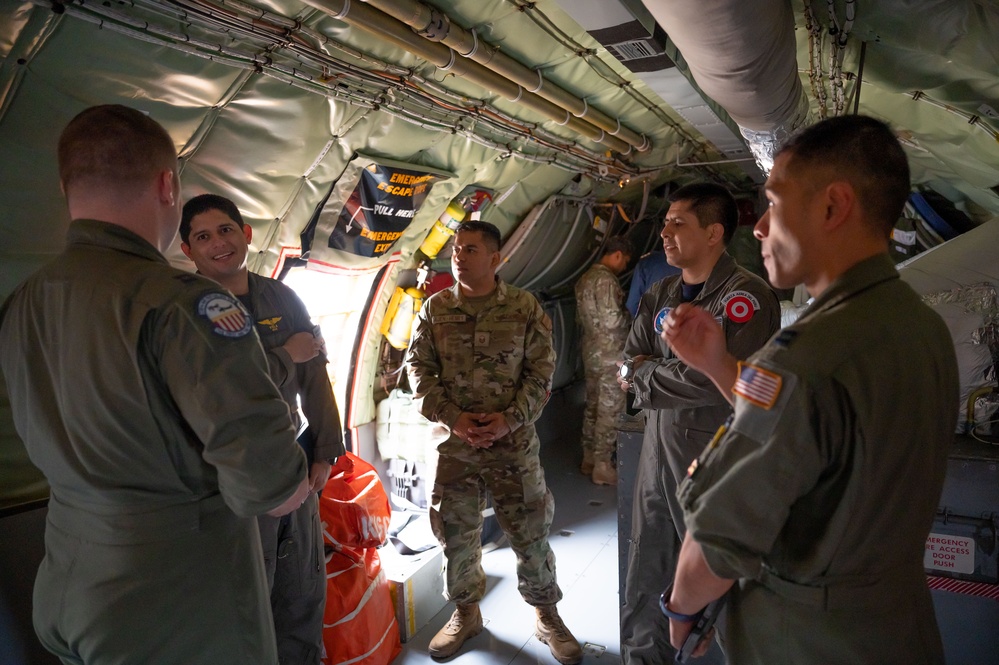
(227, 315)
(757, 385)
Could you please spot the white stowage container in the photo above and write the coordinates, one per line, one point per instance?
(417, 587)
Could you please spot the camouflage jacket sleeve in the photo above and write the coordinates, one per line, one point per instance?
(601, 305)
(423, 367)
(538, 369)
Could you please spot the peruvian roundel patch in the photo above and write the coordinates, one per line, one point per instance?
(740, 306)
(227, 315)
(757, 385)
(660, 321)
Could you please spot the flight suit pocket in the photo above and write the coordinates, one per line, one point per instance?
(697, 439)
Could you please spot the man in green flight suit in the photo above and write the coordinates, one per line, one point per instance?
(682, 408)
(142, 394)
(480, 364)
(818, 495)
(214, 236)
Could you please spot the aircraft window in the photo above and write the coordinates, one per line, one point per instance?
(336, 303)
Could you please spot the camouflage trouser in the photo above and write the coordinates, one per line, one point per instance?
(604, 402)
(524, 510)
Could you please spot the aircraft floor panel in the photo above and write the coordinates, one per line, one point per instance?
(584, 539)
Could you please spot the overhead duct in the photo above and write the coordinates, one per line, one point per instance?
(743, 55)
(433, 24)
(382, 25)
(630, 33)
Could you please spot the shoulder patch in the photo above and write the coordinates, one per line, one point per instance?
(659, 322)
(740, 306)
(757, 385)
(785, 337)
(227, 315)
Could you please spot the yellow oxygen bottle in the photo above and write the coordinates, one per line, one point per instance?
(443, 229)
(397, 326)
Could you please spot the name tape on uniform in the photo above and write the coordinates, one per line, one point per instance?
(226, 314)
(450, 318)
(757, 385)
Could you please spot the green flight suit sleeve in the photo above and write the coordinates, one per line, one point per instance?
(222, 389)
(315, 391)
(20, 480)
(664, 382)
(423, 367)
(280, 366)
(744, 486)
(668, 383)
(537, 372)
(320, 409)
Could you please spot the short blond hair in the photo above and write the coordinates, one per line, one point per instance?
(113, 146)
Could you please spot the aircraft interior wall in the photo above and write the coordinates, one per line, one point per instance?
(563, 122)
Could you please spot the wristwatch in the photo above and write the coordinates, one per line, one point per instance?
(627, 370)
(676, 616)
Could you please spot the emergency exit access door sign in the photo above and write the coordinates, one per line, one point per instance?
(953, 554)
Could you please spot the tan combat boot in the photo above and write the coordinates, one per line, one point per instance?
(586, 468)
(604, 473)
(553, 632)
(466, 622)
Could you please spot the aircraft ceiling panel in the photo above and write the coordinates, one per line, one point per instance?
(271, 122)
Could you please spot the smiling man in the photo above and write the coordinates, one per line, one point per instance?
(819, 495)
(141, 392)
(682, 407)
(480, 364)
(215, 237)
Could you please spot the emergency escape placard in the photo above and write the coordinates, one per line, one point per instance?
(953, 554)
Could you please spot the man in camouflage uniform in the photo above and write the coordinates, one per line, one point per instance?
(214, 236)
(682, 407)
(813, 503)
(480, 364)
(605, 325)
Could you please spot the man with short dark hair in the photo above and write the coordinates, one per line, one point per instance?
(480, 364)
(215, 237)
(605, 324)
(142, 394)
(682, 407)
(818, 496)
